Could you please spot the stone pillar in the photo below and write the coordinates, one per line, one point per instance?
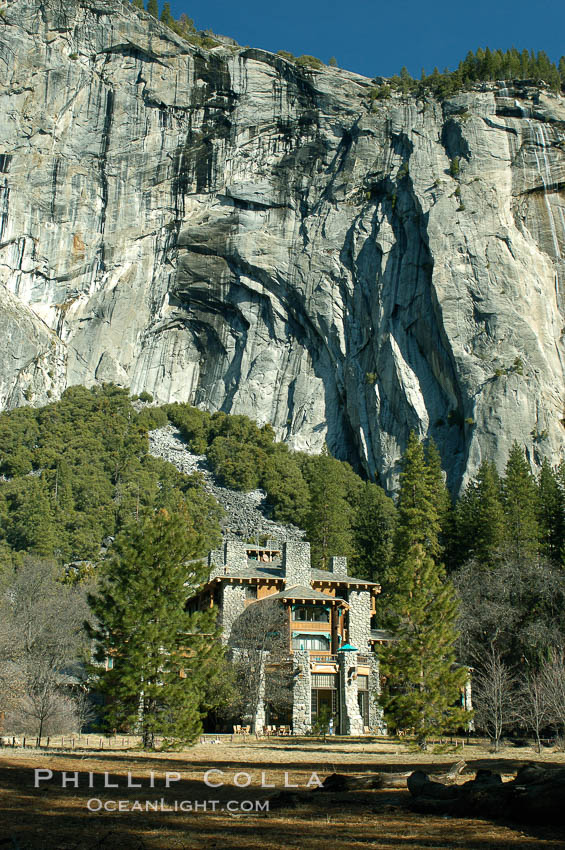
(351, 722)
(360, 620)
(468, 700)
(260, 718)
(376, 714)
(235, 655)
(301, 693)
(233, 605)
(296, 563)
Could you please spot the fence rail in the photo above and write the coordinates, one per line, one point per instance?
(71, 742)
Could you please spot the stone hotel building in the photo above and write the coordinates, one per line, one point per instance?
(330, 617)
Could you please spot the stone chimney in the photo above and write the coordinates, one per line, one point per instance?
(296, 563)
(216, 558)
(230, 560)
(235, 556)
(338, 565)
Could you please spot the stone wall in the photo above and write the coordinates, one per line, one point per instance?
(360, 619)
(301, 708)
(296, 563)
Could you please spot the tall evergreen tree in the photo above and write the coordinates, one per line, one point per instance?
(166, 664)
(423, 685)
(551, 517)
(419, 503)
(438, 487)
(479, 519)
(373, 527)
(328, 522)
(153, 8)
(521, 505)
(166, 17)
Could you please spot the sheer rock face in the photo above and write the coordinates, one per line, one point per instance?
(224, 228)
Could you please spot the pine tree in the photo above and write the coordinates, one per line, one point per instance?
(438, 487)
(138, 4)
(423, 685)
(166, 663)
(479, 520)
(419, 504)
(373, 533)
(551, 517)
(153, 8)
(166, 17)
(521, 505)
(29, 525)
(328, 523)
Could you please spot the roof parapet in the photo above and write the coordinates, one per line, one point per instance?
(338, 565)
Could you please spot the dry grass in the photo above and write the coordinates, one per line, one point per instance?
(54, 818)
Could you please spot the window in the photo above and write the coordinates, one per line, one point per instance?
(323, 699)
(363, 698)
(363, 701)
(324, 680)
(311, 614)
(310, 641)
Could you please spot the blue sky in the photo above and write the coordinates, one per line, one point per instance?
(374, 38)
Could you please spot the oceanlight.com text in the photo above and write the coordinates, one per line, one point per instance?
(162, 805)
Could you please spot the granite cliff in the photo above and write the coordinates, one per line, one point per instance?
(223, 227)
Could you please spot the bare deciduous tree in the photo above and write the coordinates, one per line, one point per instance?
(518, 607)
(260, 656)
(533, 706)
(553, 684)
(42, 642)
(495, 696)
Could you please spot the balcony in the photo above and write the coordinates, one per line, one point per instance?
(323, 657)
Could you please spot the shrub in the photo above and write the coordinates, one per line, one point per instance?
(306, 61)
(380, 92)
